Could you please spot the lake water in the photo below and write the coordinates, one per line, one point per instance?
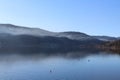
(60, 66)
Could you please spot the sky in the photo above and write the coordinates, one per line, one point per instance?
(94, 17)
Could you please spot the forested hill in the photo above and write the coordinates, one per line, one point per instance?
(114, 45)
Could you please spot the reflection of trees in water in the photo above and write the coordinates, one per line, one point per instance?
(114, 51)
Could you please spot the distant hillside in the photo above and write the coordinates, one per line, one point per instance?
(12, 36)
(75, 36)
(19, 30)
(114, 45)
(106, 38)
(44, 42)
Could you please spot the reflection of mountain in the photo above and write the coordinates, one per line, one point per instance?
(12, 36)
(38, 54)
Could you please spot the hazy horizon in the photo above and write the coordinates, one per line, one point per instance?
(90, 17)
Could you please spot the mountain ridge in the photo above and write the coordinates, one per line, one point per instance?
(21, 30)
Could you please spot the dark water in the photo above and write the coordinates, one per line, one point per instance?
(81, 65)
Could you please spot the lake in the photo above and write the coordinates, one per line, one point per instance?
(80, 65)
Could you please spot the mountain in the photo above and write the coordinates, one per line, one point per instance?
(19, 30)
(112, 45)
(106, 38)
(12, 36)
(75, 36)
(118, 37)
(14, 42)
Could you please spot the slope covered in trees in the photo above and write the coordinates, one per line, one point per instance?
(114, 45)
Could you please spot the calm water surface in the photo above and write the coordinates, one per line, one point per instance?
(60, 66)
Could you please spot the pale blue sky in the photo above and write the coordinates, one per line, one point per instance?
(94, 17)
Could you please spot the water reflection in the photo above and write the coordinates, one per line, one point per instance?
(85, 64)
(33, 54)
